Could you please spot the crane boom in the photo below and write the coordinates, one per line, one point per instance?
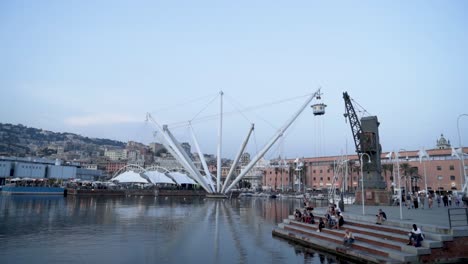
(356, 128)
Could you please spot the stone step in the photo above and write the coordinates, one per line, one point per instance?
(383, 239)
(333, 242)
(389, 233)
(349, 253)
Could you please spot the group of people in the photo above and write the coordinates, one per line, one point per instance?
(334, 219)
(415, 201)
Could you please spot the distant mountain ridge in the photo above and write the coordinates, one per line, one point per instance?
(23, 140)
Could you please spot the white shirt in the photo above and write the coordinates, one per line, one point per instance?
(417, 232)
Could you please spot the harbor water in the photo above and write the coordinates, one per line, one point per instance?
(52, 229)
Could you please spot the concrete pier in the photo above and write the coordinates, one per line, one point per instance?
(386, 243)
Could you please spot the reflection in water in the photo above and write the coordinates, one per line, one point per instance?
(146, 230)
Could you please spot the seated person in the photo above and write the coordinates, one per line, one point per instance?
(320, 225)
(298, 215)
(381, 216)
(340, 222)
(311, 218)
(330, 221)
(415, 236)
(348, 238)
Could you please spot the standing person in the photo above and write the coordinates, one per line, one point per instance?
(348, 239)
(415, 200)
(450, 200)
(438, 200)
(445, 199)
(408, 201)
(381, 216)
(422, 200)
(430, 201)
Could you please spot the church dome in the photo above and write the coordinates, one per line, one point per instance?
(443, 143)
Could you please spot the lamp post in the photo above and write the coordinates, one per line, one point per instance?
(462, 176)
(399, 181)
(341, 203)
(362, 180)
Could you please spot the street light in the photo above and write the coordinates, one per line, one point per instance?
(341, 203)
(362, 180)
(462, 177)
(399, 180)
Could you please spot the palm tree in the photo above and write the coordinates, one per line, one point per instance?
(385, 168)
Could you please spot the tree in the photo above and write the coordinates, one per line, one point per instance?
(388, 168)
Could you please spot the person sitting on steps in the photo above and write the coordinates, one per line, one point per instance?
(415, 236)
(381, 216)
(321, 225)
(348, 239)
(340, 222)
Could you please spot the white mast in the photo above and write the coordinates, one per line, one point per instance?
(236, 160)
(192, 168)
(272, 141)
(170, 146)
(202, 158)
(220, 135)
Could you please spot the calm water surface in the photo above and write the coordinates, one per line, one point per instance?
(48, 229)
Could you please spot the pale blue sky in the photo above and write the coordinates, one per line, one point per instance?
(96, 67)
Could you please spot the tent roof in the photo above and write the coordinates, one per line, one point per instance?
(158, 177)
(181, 178)
(130, 176)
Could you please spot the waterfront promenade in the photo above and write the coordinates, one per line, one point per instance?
(437, 216)
(386, 243)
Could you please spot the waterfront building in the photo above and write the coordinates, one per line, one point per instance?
(40, 168)
(443, 172)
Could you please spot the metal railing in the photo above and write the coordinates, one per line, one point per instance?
(458, 217)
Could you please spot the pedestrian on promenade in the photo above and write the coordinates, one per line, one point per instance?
(430, 201)
(445, 200)
(381, 216)
(415, 200)
(450, 200)
(408, 201)
(438, 200)
(422, 198)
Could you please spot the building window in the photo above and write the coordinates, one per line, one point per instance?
(321, 178)
(328, 178)
(314, 178)
(314, 171)
(452, 167)
(440, 177)
(321, 171)
(452, 178)
(271, 172)
(328, 170)
(439, 167)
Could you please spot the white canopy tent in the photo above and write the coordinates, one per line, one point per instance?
(158, 177)
(181, 178)
(130, 177)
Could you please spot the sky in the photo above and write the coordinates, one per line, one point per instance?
(96, 68)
